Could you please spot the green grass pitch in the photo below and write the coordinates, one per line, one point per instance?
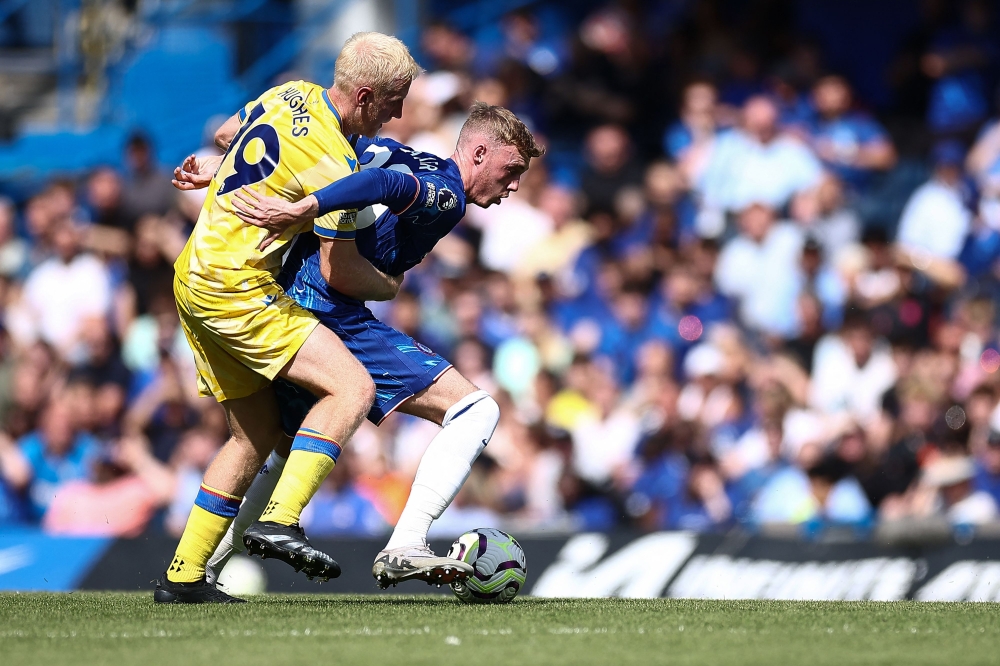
(119, 628)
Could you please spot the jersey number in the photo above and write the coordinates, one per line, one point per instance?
(246, 173)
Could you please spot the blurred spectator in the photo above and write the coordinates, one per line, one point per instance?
(987, 477)
(63, 293)
(823, 492)
(58, 452)
(769, 251)
(522, 39)
(850, 143)
(823, 214)
(104, 199)
(610, 166)
(126, 487)
(946, 489)
(756, 163)
(511, 230)
(13, 250)
(146, 189)
(697, 124)
(157, 244)
(851, 370)
(936, 218)
(604, 440)
(447, 48)
(704, 506)
(556, 253)
(961, 60)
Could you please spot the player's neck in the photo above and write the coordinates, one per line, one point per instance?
(464, 169)
(345, 111)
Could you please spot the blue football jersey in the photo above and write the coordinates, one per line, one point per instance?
(392, 243)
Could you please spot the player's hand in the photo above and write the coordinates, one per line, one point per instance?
(272, 213)
(196, 173)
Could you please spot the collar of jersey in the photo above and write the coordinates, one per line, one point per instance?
(333, 109)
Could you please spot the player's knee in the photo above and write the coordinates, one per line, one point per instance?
(478, 405)
(357, 395)
(490, 410)
(366, 393)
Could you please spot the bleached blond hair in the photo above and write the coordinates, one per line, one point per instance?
(372, 59)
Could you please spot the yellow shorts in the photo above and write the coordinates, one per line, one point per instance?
(242, 340)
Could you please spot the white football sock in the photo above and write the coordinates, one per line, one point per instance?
(445, 466)
(254, 503)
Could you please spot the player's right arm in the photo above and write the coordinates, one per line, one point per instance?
(352, 275)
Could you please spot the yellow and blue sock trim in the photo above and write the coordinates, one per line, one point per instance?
(313, 441)
(217, 502)
(210, 517)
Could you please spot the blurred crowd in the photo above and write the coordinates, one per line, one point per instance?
(729, 297)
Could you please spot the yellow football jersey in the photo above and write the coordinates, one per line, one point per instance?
(290, 144)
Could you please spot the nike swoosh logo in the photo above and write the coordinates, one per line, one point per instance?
(351, 163)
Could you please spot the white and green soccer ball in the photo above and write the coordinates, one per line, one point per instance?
(499, 563)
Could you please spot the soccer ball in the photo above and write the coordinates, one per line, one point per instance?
(499, 563)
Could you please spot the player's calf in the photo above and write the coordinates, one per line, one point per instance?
(468, 426)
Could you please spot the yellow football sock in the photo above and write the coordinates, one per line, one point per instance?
(210, 517)
(311, 460)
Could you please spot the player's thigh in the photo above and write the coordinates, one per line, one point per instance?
(324, 366)
(240, 343)
(434, 401)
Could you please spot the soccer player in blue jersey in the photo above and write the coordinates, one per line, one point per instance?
(416, 199)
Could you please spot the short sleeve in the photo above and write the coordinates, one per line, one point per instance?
(339, 224)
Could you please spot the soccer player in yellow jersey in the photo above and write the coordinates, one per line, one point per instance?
(244, 330)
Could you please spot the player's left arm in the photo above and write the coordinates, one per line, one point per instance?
(397, 190)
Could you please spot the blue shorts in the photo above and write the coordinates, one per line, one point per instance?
(400, 366)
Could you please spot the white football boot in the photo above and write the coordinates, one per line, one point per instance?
(417, 563)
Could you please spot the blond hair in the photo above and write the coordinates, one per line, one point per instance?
(503, 127)
(374, 60)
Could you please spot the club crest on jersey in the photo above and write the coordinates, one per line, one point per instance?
(446, 199)
(431, 193)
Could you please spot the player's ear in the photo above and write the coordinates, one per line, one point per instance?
(365, 95)
(479, 154)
